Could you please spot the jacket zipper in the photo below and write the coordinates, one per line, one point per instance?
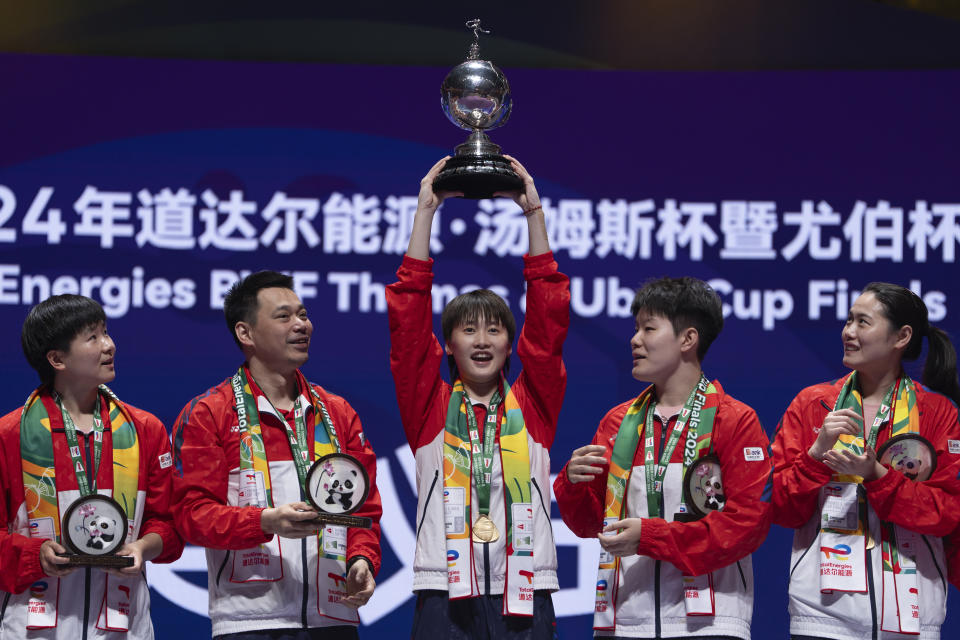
(91, 478)
(871, 593)
(223, 566)
(743, 579)
(304, 574)
(543, 505)
(656, 570)
(486, 568)
(423, 516)
(656, 599)
(305, 577)
(802, 556)
(933, 558)
(86, 601)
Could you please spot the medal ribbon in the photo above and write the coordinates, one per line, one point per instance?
(481, 472)
(699, 411)
(654, 472)
(70, 430)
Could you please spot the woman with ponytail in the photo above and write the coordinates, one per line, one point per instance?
(865, 470)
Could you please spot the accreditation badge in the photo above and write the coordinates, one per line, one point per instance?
(698, 598)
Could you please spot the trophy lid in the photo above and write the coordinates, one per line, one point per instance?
(475, 95)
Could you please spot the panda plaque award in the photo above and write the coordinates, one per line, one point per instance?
(337, 485)
(703, 489)
(94, 528)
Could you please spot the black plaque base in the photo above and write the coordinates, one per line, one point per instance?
(477, 176)
(102, 562)
(353, 522)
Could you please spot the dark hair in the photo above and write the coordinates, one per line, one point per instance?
(52, 325)
(472, 307)
(241, 305)
(685, 302)
(903, 307)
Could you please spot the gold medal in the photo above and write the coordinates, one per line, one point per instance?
(484, 530)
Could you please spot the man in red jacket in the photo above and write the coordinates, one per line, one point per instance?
(673, 483)
(241, 453)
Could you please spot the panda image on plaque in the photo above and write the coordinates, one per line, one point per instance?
(337, 485)
(911, 454)
(94, 528)
(703, 490)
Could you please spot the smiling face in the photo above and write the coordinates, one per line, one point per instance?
(870, 343)
(280, 335)
(655, 348)
(89, 358)
(479, 348)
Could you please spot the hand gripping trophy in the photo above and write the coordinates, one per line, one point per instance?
(475, 95)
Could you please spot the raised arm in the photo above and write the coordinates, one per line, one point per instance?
(428, 202)
(528, 200)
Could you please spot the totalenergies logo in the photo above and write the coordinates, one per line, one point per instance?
(840, 552)
(452, 556)
(38, 589)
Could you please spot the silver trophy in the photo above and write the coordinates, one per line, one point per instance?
(475, 95)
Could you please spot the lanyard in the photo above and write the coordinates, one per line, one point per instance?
(654, 472)
(886, 407)
(70, 429)
(297, 435)
(481, 472)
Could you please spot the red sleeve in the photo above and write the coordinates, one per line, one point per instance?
(931, 507)
(722, 537)
(543, 379)
(797, 477)
(19, 554)
(581, 504)
(200, 508)
(361, 542)
(158, 466)
(415, 353)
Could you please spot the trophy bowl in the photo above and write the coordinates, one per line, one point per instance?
(475, 96)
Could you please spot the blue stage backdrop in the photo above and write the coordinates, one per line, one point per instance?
(152, 185)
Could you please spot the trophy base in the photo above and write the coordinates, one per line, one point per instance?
(352, 522)
(101, 562)
(477, 177)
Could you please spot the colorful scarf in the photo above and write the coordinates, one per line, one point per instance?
(39, 473)
(515, 464)
(900, 612)
(40, 495)
(697, 416)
